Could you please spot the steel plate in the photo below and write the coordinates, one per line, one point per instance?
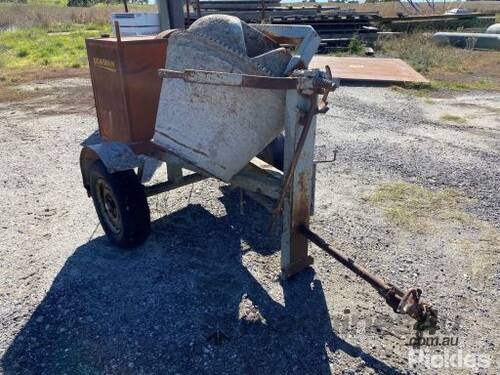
(368, 69)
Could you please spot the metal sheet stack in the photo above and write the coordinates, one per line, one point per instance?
(336, 27)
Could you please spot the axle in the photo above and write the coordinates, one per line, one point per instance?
(401, 302)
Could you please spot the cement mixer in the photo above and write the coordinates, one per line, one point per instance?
(222, 99)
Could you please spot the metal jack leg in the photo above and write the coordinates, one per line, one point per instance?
(297, 199)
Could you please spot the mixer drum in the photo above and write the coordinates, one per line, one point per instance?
(220, 128)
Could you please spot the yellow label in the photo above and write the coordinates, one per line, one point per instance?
(104, 64)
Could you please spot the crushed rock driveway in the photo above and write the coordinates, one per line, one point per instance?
(413, 195)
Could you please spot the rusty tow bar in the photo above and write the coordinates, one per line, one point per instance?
(402, 303)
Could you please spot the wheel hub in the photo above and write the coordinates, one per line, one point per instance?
(109, 206)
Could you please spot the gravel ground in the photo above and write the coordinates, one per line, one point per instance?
(72, 304)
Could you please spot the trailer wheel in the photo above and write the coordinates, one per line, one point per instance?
(121, 205)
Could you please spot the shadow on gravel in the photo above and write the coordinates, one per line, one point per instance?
(151, 310)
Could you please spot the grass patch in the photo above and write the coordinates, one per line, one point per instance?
(447, 67)
(35, 53)
(28, 48)
(420, 90)
(428, 90)
(413, 207)
(421, 52)
(480, 84)
(453, 118)
(22, 53)
(60, 3)
(439, 214)
(47, 13)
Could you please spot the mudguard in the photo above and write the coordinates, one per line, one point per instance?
(116, 157)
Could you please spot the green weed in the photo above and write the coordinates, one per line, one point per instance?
(421, 52)
(33, 47)
(22, 53)
(453, 118)
(356, 46)
(411, 206)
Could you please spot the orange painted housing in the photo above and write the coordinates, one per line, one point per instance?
(126, 85)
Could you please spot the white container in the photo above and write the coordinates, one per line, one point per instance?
(136, 23)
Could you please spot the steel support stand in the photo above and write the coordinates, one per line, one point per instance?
(298, 200)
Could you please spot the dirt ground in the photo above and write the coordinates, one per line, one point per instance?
(413, 195)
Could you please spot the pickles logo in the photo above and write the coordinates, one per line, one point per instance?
(104, 64)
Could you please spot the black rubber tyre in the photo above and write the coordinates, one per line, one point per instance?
(121, 205)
